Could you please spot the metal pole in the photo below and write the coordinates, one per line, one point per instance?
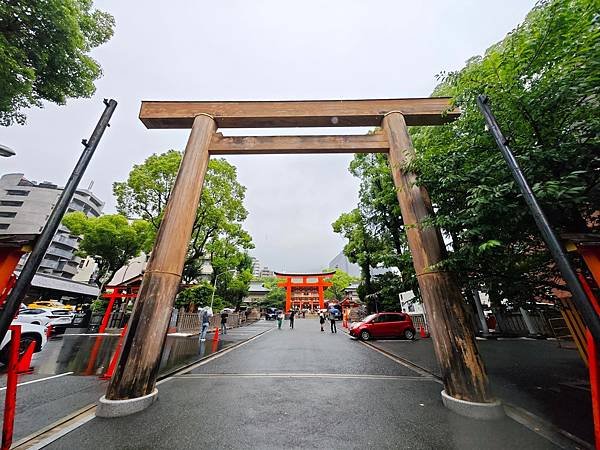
(591, 319)
(45, 238)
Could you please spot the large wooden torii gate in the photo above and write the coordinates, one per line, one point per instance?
(132, 386)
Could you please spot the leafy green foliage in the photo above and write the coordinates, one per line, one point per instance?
(340, 280)
(543, 83)
(198, 295)
(217, 234)
(44, 48)
(110, 239)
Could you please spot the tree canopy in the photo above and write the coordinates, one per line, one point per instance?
(543, 84)
(44, 53)
(340, 281)
(110, 239)
(217, 236)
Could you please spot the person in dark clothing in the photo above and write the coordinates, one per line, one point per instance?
(332, 321)
(224, 316)
(322, 320)
(292, 314)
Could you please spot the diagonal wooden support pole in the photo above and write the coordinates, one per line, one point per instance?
(137, 369)
(454, 342)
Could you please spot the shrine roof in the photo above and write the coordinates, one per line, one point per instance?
(305, 274)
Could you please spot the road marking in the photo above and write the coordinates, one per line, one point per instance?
(61, 427)
(333, 376)
(40, 379)
(403, 362)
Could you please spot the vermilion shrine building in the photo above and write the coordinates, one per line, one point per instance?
(305, 290)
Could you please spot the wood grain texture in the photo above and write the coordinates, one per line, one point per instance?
(453, 338)
(136, 371)
(277, 145)
(313, 113)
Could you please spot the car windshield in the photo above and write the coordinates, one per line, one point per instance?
(369, 318)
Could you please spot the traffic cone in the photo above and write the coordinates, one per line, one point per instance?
(24, 365)
(422, 332)
(216, 335)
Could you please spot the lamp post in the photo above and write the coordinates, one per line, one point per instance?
(215, 286)
(6, 151)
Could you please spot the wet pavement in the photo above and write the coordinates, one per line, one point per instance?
(66, 376)
(300, 389)
(536, 375)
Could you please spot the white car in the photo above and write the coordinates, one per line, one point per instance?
(29, 333)
(58, 318)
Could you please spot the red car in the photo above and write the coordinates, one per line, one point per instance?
(384, 325)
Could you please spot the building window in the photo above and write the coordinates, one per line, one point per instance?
(10, 203)
(17, 192)
(4, 226)
(7, 214)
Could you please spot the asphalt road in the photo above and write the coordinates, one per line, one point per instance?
(44, 398)
(537, 375)
(300, 389)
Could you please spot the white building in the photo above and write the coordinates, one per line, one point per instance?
(24, 209)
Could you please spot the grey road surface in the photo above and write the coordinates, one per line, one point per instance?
(300, 389)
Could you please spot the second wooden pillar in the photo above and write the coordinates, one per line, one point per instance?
(453, 338)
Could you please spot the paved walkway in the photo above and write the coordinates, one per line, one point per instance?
(300, 389)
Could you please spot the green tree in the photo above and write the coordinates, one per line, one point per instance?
(217, 233)
(340, 281)
(543, 83)
(44, 53)
(199, 295)
(111, 240)
(276, 295)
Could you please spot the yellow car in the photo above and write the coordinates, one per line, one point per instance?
(50, 304)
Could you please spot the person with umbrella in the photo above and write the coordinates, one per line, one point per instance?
(332, 316)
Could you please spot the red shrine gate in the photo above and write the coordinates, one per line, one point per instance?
(305, 290)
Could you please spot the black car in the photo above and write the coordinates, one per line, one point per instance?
(271, 314)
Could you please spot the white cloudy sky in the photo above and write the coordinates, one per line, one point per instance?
(247, 50)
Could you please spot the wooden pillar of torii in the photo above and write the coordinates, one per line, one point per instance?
(132, 386)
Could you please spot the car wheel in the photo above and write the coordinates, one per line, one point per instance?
(365, 335)
(409, 334)
(23, 346)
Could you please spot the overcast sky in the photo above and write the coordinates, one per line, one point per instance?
(258, 50)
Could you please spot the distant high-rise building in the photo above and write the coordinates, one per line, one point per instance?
(265, 272)
(341, 262)
(24, 208)
(255, 267)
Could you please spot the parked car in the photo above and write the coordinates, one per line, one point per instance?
(29, 333)
(50, 304)
(60, 319)
(384, 325)
(271, 314)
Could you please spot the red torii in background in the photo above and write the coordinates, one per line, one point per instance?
(306, 284)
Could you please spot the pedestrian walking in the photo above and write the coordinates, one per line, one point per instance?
(304, 314)
(322, 320)
(280, 319)
(332, 321)
(205, 322)
(292, 314)
(224, 317)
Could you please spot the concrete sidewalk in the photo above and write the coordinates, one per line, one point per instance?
(300, 389)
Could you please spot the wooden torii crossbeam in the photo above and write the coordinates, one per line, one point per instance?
(132, 386)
